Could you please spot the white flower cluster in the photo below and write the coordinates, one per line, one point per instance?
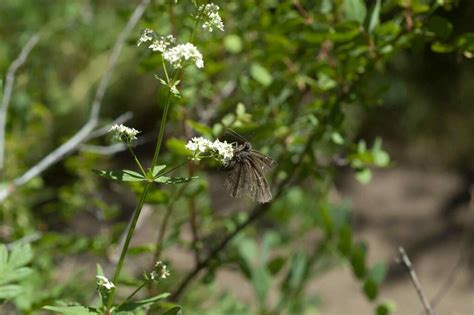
(121, 133)
(211, 17)
(202, 147)
(147, 35)
(160, 272)
(104, 283)
(178, 54)
(161, 44)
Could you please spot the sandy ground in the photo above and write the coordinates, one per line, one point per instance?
(401, 207)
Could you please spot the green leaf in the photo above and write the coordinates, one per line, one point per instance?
(260, 74)
(371, 289)
(325, 82)
(358, 260)
(276, 264)
(240, 109)
(355, 10)
(173, 311)
(173, 180)
(72, 310)
(157, 169)
(10, 291)
(440, 26)
(13, 275)
(20, 255)
(442, 48)
(378, 272)
(233, 43)
(131, 306)
(337, 138)
(261, 280)
(3, 255)
(247, 250)
(364, 175)
(12, 269)
(385, 308)
(200, 128)
(466, 42)
(374, 17)
(345, 239)
(99, 270)
(121, 175)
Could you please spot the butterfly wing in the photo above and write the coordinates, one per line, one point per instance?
(259, 190)
(235, 181)
(262, 162)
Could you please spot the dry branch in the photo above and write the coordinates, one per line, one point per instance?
(84, 133)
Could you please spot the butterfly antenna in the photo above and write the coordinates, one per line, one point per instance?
(235, 134)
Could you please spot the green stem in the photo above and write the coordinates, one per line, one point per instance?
(131, 230)
(136, 160)
(174, 168)
(162, 131)
(133, 293)
(165, 70)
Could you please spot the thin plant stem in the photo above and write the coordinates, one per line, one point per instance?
(162, 131)
(136, 160)
(133, 293)
(165, 70)
(174, 168)
(405, 261)
(131, 230)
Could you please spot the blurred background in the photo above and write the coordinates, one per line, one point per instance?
(384, 88)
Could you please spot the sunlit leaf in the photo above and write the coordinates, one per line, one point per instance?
(260, 74)
(72, 310)
(176, 310)
(121, 175)
(173, 180)
(355, 10)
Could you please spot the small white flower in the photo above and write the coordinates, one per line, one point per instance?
(211, 17)
(121, 133)
(147, 35)
(161, 44)
(224, 150)
(202, 147)
(160, 272)
(104, 283)
(199, 145)
(178, 54)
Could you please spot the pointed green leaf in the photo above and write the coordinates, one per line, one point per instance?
(355, 10)
(375, 17)
(20, 255)
(3, 255)
(371, 289)
(121, 175)
(72, 310)
(173, 180)
(378, 272)
(173, 311)
(100, 271)
(10, 291)
(260, 74)
(131, 306)
(15, 274)
(157, 169)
